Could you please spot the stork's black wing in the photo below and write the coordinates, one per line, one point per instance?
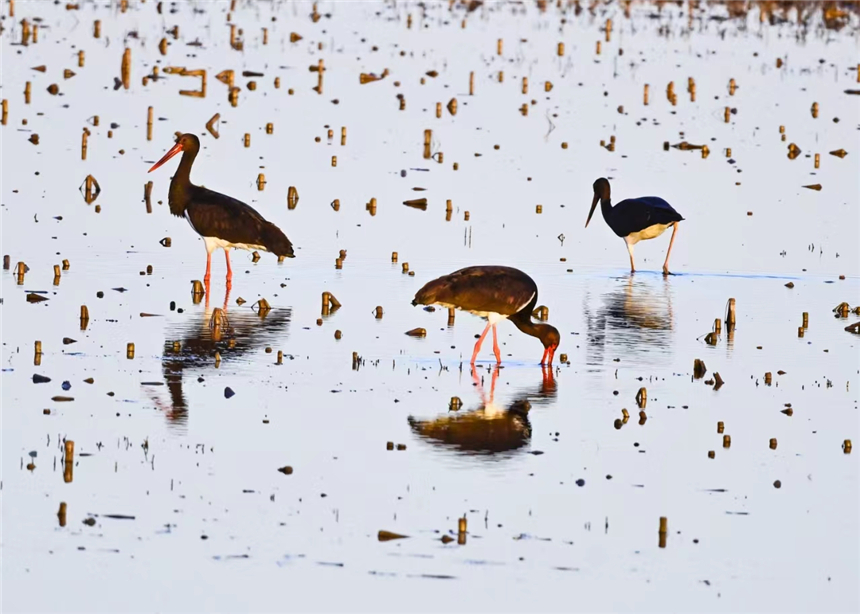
(213, 214)
(636, 214)
(498, 289)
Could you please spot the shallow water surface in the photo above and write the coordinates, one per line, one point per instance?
(174, 500)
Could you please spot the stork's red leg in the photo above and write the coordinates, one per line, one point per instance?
(208, 268)
(669, 251)
(630, 251)
(496, 350)
(229, 270)
(480, 341)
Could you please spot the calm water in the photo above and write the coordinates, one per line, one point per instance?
(562, 507)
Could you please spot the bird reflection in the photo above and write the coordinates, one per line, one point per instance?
(634, 318)
(191, 346)
(490, 428)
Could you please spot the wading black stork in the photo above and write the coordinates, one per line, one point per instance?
(496, 293)
(221, 220)
(636, 219)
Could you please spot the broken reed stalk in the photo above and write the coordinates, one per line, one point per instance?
(68, 461)
(210, 125)
(201, 93)
(730, 314)
(329, 303)
(428, 139)
(149, 123)
(84, 137)
(125, 68)
(147, 196)
(472, 83)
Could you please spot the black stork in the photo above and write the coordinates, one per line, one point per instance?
(636, 219)
(496, 293)
(221, 220)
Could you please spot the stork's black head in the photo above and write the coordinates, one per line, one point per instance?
(550, 338)
(187, 142)
(601, 188)
(601, 192)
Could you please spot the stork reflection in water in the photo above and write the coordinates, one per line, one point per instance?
(633, 319)
(191, 344)
(489, 428)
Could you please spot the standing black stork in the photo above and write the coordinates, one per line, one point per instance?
(496, 293)
(636, 219)
(221, 220)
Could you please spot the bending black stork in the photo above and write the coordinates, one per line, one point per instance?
(636, 219)
(496, 293)
(222, 221)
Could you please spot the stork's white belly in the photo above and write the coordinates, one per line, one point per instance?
(651, 232)
(213, 243)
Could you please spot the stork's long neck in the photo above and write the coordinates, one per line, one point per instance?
(525, 324)
(523, 319)
(180, 186)
(606, 209)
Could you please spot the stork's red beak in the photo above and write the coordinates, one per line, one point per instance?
(172, 152)
(548, 355)
(593, 207)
